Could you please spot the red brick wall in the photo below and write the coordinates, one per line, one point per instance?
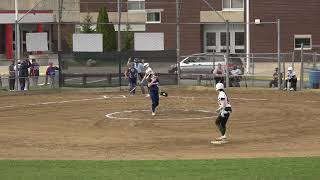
(190, 33)
(216, 4)
(297, 17)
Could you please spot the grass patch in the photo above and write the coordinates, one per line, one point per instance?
(238, 169)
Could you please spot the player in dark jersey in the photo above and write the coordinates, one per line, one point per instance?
(154, 93)
(132, 75)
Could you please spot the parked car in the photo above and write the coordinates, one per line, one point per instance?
(205, 63)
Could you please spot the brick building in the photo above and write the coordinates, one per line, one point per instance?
(202, 30)
(42, 19)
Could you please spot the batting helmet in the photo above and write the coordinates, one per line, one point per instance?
(146, 65)
(219, 86)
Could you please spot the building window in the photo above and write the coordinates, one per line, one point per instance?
(239, 38)
(239, 51)
(232, 5)
(211, 50)
(223, 39)
(154, 17)
(306, 40)
(136, 5)
(77, 28)
(211, 38)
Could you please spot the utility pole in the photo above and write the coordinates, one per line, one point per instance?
(119, 40)
(17, 44)
(59, 24)
(178, 5)
(248, 36)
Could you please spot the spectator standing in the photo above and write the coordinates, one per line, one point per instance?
(139, 67)
(12, 76)
(34, 72)
(132, 75)
(24, 73)
(50, 74)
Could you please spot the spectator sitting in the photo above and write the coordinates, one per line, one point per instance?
(235, 76)
(218, 74)
(274, 81)
(34, 72)
(291, 79)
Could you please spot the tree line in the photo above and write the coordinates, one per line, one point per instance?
(107, 29)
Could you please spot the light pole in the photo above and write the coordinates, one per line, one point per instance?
(178, 6)
(17, 44)
(119, 40)
(248, 36)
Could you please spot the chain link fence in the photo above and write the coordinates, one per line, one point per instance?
(150, 35)
(108, 69)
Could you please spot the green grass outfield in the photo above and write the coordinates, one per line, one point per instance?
(229, 169)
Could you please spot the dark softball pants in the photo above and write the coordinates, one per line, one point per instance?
(154, 95)
(221, 123)
(132, 85)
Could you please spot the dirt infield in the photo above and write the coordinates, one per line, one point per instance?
(73, 125)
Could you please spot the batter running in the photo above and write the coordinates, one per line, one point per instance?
(154, 93)
(224, 112)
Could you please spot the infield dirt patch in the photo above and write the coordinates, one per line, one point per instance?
(73, 125)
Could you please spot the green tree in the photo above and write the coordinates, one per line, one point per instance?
(107, 30)
(128, 39)
(87, 26)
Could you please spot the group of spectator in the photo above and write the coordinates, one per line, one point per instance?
(27, 70)
(138, 73)
(235, 75)
(290, 82)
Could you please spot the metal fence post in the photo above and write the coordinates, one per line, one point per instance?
(293, 58)
(227, 54)
(301, 69)
(314, 65)
(284, 70)
(253, 78)
(60, 71)
(213, 67)
(279, 55)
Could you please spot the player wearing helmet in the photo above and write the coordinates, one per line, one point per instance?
(224, 112)
(291, 80)
(148, 75)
